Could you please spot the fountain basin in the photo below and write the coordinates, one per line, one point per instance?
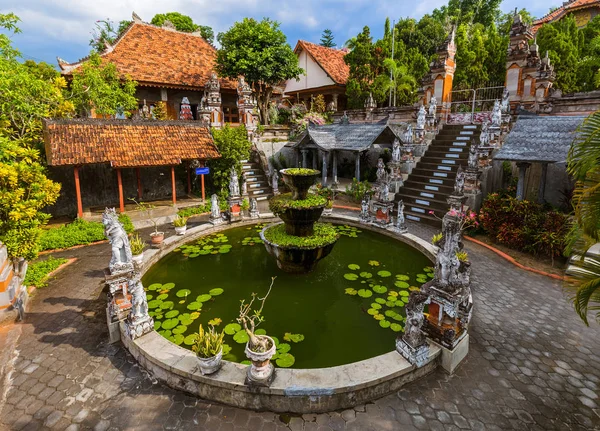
(299, 180)
(296, 259)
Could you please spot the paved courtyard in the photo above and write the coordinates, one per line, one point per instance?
(533, 365)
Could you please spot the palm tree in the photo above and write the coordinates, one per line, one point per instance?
(584, 166)
(402, 82)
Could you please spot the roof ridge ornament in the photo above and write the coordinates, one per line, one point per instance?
(136, 18)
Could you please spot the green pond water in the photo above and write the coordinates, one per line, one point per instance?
(349, 309)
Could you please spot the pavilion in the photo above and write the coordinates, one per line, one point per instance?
(126, 144)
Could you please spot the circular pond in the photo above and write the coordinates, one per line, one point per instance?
(349, 309)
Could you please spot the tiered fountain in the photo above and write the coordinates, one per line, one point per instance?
(298, 242)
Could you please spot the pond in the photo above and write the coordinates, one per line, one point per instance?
(350, 308)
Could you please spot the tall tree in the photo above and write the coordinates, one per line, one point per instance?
(327, 39)
(258, 51)
(233, 145)
(105, 33)
(184, 23)
(361, 73)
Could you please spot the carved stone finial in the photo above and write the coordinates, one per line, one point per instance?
(135, 17)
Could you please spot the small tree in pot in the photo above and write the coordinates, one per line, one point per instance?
(157, 237)
(208, 346)
(260, 348)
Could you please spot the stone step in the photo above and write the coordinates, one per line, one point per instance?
(422, 202)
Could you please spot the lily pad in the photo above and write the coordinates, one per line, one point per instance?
(350, 276)
(373, 311)
(366, 274)
(393, 293)
(396, 327)
(149, 296)
(403, 277)
(226, 349)
(203, 298)
(170, 323)
(182, 293)
(398, 317)
(373, 263)
(171, 314)
(189, 340)
(403, 293)
(194, 315)
(178, 339)
(168, 286)
(194, 306)
(380, 300)
(156, 325)
(379, 317)
(421, 276)
(389, 313)
(215, 322)
(384, 323)
(384, 273)
(167, 305)
(260, 331)
(390, 304)
(353, 267)
(155, 286)
(162, 297)
(165, 333)
(376, 306)
(379, 289)
(232, 328)
(216, 291)
(155, 303)
(365, 293)
(296, 338)
(401, 284)
(246, 362)
(283, 348)
(285, 360)
(241, 337)
(180, 329)
(350, 291)
(405, 299)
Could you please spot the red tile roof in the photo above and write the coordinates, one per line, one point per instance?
(155, 55)
(331, 60)
(126, 143)
(566, 8)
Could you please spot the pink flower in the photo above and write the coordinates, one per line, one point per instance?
(431, 212)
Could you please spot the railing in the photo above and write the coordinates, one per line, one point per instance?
(473, 105)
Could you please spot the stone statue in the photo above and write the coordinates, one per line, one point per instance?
(119, 242)
(496, 114)
(215, 211)
(473, 159)
(432, 106)
(484, 137)
(421, 118)
(364, 209)
(413, 334)
(408, 135)
(505, 101)
(253, 208)
(244, 185)
(380, 170)
(396, 155)
(234, 184)
(138, 321)
(400, 219)
(275, 180)
(459, 184)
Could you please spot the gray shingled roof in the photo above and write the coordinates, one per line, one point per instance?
(346, 137)
(540, 139)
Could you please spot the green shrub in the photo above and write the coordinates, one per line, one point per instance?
(301, 171)
(357, 190)
(280, 203)
(324, 234)
(37, 272)
(78, 232)
(192, 211)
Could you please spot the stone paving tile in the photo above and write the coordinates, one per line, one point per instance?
(532, 366)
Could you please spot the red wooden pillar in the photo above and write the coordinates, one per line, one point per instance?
(139, 183)
(78, 192)
(120, 182)
(189, 178)
(202, 180)
(173, 184)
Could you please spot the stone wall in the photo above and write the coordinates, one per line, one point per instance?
(395, 114)
(575, 104)
(99, 186)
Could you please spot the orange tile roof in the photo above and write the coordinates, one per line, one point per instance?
(331, 60)
(157, 55)
(126, 143)
(562, 11)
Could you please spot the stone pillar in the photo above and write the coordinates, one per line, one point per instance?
(314, 159)
(213, 100)
(335, 101)
(438, 82)
(304, 158)
(357, 170)
(163, 94)
(324, 170)
(521, 62)
(521, 183)
(542, 188)
(334, 170)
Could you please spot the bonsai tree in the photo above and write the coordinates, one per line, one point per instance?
(147, 209)
(250, 319)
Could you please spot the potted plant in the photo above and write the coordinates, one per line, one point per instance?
(328, 194)
(260, 348)
(137, 248)
(180, 224)
(208, 346)
(156, 236)
(245, 206)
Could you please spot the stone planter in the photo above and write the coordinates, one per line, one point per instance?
(300, 222)
(157, 237)
(138, 258)
(327, 211)
(180, 230)
(260, 373)
(299, 184)
(210, 365)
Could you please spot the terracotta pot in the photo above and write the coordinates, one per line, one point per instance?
(210, 365)
(158, 237)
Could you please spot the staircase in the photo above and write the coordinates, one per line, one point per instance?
(256, 180)
(432, 180)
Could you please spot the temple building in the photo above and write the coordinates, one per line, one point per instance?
(583, 11)
(169, 65)
(325, 72)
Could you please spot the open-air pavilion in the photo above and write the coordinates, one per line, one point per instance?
(125, 144)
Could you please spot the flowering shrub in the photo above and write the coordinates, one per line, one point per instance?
(524, 225)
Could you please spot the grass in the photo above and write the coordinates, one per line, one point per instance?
(324, 234)
(37, 273)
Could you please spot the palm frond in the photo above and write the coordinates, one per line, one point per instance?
(584, 282)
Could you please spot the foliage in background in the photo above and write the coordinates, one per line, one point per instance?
(97, 85)
(233, 144)
(357, 190)
(160, 111)
(524, 225)
(327, 39)
(78, 232)
(257, 50)
(37, 272)
(184, 23)
(584, 166)
(192, 211)
(105, 33)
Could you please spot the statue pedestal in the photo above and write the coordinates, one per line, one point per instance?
(452, 358)
(396, 181)
(235, 208)
(135, 328)
(215, 221)
(415, 355)
(119, 300)
(449, 316)
(381, 213)
(398, 229)
(254, 214)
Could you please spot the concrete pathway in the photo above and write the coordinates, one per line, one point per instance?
(533, 365)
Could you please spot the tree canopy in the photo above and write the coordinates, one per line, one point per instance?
(327, 39)
(184, 23)
(258, 51)
(233, 145)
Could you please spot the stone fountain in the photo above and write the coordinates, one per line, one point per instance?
(299, 243)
